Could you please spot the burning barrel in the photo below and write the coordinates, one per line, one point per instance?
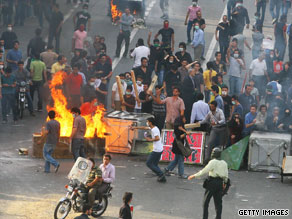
(92, 113)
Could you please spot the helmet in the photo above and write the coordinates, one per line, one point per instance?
(216, 153)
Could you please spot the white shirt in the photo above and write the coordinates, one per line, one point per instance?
(140, 89)
(140, 52)
(108, 173)
(199, 111)
(258, 68)
(115, 88)
(157, 145)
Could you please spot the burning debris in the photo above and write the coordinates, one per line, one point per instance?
(92, 113)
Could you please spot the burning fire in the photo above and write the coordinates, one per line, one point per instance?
(115, 12)
(91, 113)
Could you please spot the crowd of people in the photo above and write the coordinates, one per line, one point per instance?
(228, 99)
(183, 87)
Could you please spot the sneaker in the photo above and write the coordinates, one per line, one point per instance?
(161, 179)
(203, 59)
(183, 176)
(274, 20)
(57, 168)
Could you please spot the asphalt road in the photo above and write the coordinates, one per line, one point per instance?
(26, 192)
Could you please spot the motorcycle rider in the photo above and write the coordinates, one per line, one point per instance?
(108, 174)
(21, 74)
(93, 182)
(86, 211)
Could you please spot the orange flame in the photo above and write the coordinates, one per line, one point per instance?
(92, 114)
(115, 12)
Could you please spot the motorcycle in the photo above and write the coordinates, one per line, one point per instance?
(77, 193)
(22, 98)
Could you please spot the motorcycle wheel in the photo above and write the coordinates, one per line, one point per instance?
(103, 203)
(21, 109)
(63, 208)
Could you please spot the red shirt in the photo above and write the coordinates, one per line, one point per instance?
(74, 83)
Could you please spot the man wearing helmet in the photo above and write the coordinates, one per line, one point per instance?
(215, 183)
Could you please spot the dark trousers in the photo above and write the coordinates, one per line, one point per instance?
(152, 162)
(37, 86)
(215, 190)
(7, 13)
(78, 148)
(216, 139)
(125, 35)
(19, 13)
(160, 120)
(262, 5)
(223, 49)
(53, 35)
(41, 11)
(8, 101)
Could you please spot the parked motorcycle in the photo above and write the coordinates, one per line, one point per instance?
(21, 101)
(77, 193)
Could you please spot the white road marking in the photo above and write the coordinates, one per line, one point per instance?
(133, 34)
(213, 43)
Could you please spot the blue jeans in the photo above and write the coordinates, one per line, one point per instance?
(285, 8)
(189, 28)
(230, 6)
(260, 83)
(234, 85)
(275, 4)
(262, 5)
(8, 102)
(160, 77)
(152, 162)
(47, 152)
(178, 159)
(78, 148)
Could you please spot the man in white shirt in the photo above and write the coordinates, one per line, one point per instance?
(258, 72)
(116, 102)
(139, 52)
(200, 109)
(154, 157)
(108, 174)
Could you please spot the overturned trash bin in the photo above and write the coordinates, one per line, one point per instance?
(122, 138)
(266, 150)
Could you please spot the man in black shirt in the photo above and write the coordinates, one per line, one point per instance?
(227, 102)
(218, 65)
(156, 55)
(182, 54)
(167, 34)
(240, 17)
(144, 70)
(36, 45)
(82, 18)
(9, 37)
(88, 93)
(103, 69)
(171, 79)
(224, 36)
(200, 20)
(145, 99)
(55, 28)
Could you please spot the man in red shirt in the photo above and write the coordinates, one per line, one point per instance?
(73, 86)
